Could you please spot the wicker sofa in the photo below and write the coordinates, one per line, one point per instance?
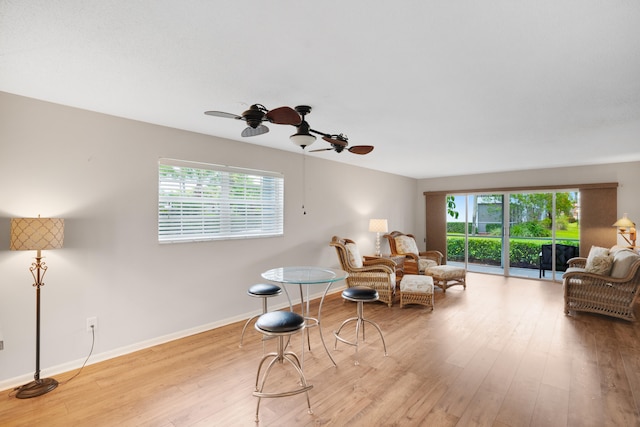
(613, 292)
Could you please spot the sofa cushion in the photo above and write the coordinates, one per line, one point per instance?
(354, 255)
(622, 261)
(573, 270)
(406, 245)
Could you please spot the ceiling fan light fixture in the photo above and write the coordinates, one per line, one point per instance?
(302, 139)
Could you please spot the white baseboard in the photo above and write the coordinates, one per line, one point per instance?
(101, 357)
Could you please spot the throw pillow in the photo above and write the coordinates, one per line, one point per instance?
(406, 245)
(597, 251)
(599, 264)
(354, 255)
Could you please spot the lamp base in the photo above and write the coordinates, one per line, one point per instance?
(36, 388)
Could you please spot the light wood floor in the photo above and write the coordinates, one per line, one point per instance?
(500, 353)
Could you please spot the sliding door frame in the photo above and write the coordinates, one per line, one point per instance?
(598, 211)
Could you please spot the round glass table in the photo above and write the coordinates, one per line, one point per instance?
(307, 275)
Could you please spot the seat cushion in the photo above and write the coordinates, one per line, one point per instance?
(446, 272)
(424, 263)
(416, 283)
(264, 289)
(280, 321)
(574, 270)
(360, 293)
(406, 245)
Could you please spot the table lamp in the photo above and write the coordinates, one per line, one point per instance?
(36, 234)
(378, 226)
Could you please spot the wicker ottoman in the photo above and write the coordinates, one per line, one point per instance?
(415, 289)
(445, 276)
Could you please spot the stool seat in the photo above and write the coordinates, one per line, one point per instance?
(360, 293)
(280, 322)
(445, 276)
(416, 289)
(264, 289)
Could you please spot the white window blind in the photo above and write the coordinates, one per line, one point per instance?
(198, 201)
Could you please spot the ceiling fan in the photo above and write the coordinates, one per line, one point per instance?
(257, 113)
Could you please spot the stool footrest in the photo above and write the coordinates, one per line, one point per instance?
(284, 393)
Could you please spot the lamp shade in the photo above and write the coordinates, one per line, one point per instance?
(378, 225)
(36, 233)
(303, 137)
(302, 140)
(624, 222)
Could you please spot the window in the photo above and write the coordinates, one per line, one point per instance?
(198, 201)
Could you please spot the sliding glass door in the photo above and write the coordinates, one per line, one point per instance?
(512, 234)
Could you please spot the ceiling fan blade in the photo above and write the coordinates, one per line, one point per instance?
(361, 149)
(284, 116)
(321, 149)
(334, 140)
(223, 114)
(249, 131)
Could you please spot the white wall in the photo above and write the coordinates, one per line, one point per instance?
(99, 173)
(627, 175)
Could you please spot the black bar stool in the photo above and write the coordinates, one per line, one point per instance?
(280, 324)
(360, 295)
(264, 291)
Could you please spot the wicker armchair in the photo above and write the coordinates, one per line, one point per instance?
(378, 273)
(405, 245)
(603, 294)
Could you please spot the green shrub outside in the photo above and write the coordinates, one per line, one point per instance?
(457, 227)
(530, 229)
(493, 229)
(523, 253)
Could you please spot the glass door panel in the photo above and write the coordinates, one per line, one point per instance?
(458, 228)
(528, 231)
(475, 235)
(486, 243)
(566, 230)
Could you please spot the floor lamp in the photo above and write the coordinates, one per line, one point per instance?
(28, 234)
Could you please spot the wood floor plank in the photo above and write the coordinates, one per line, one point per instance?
(501, 353)
(517, 407)
(552, 407)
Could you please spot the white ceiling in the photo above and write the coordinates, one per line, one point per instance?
(440, 88)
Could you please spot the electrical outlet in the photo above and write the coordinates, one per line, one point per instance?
(92, 324)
